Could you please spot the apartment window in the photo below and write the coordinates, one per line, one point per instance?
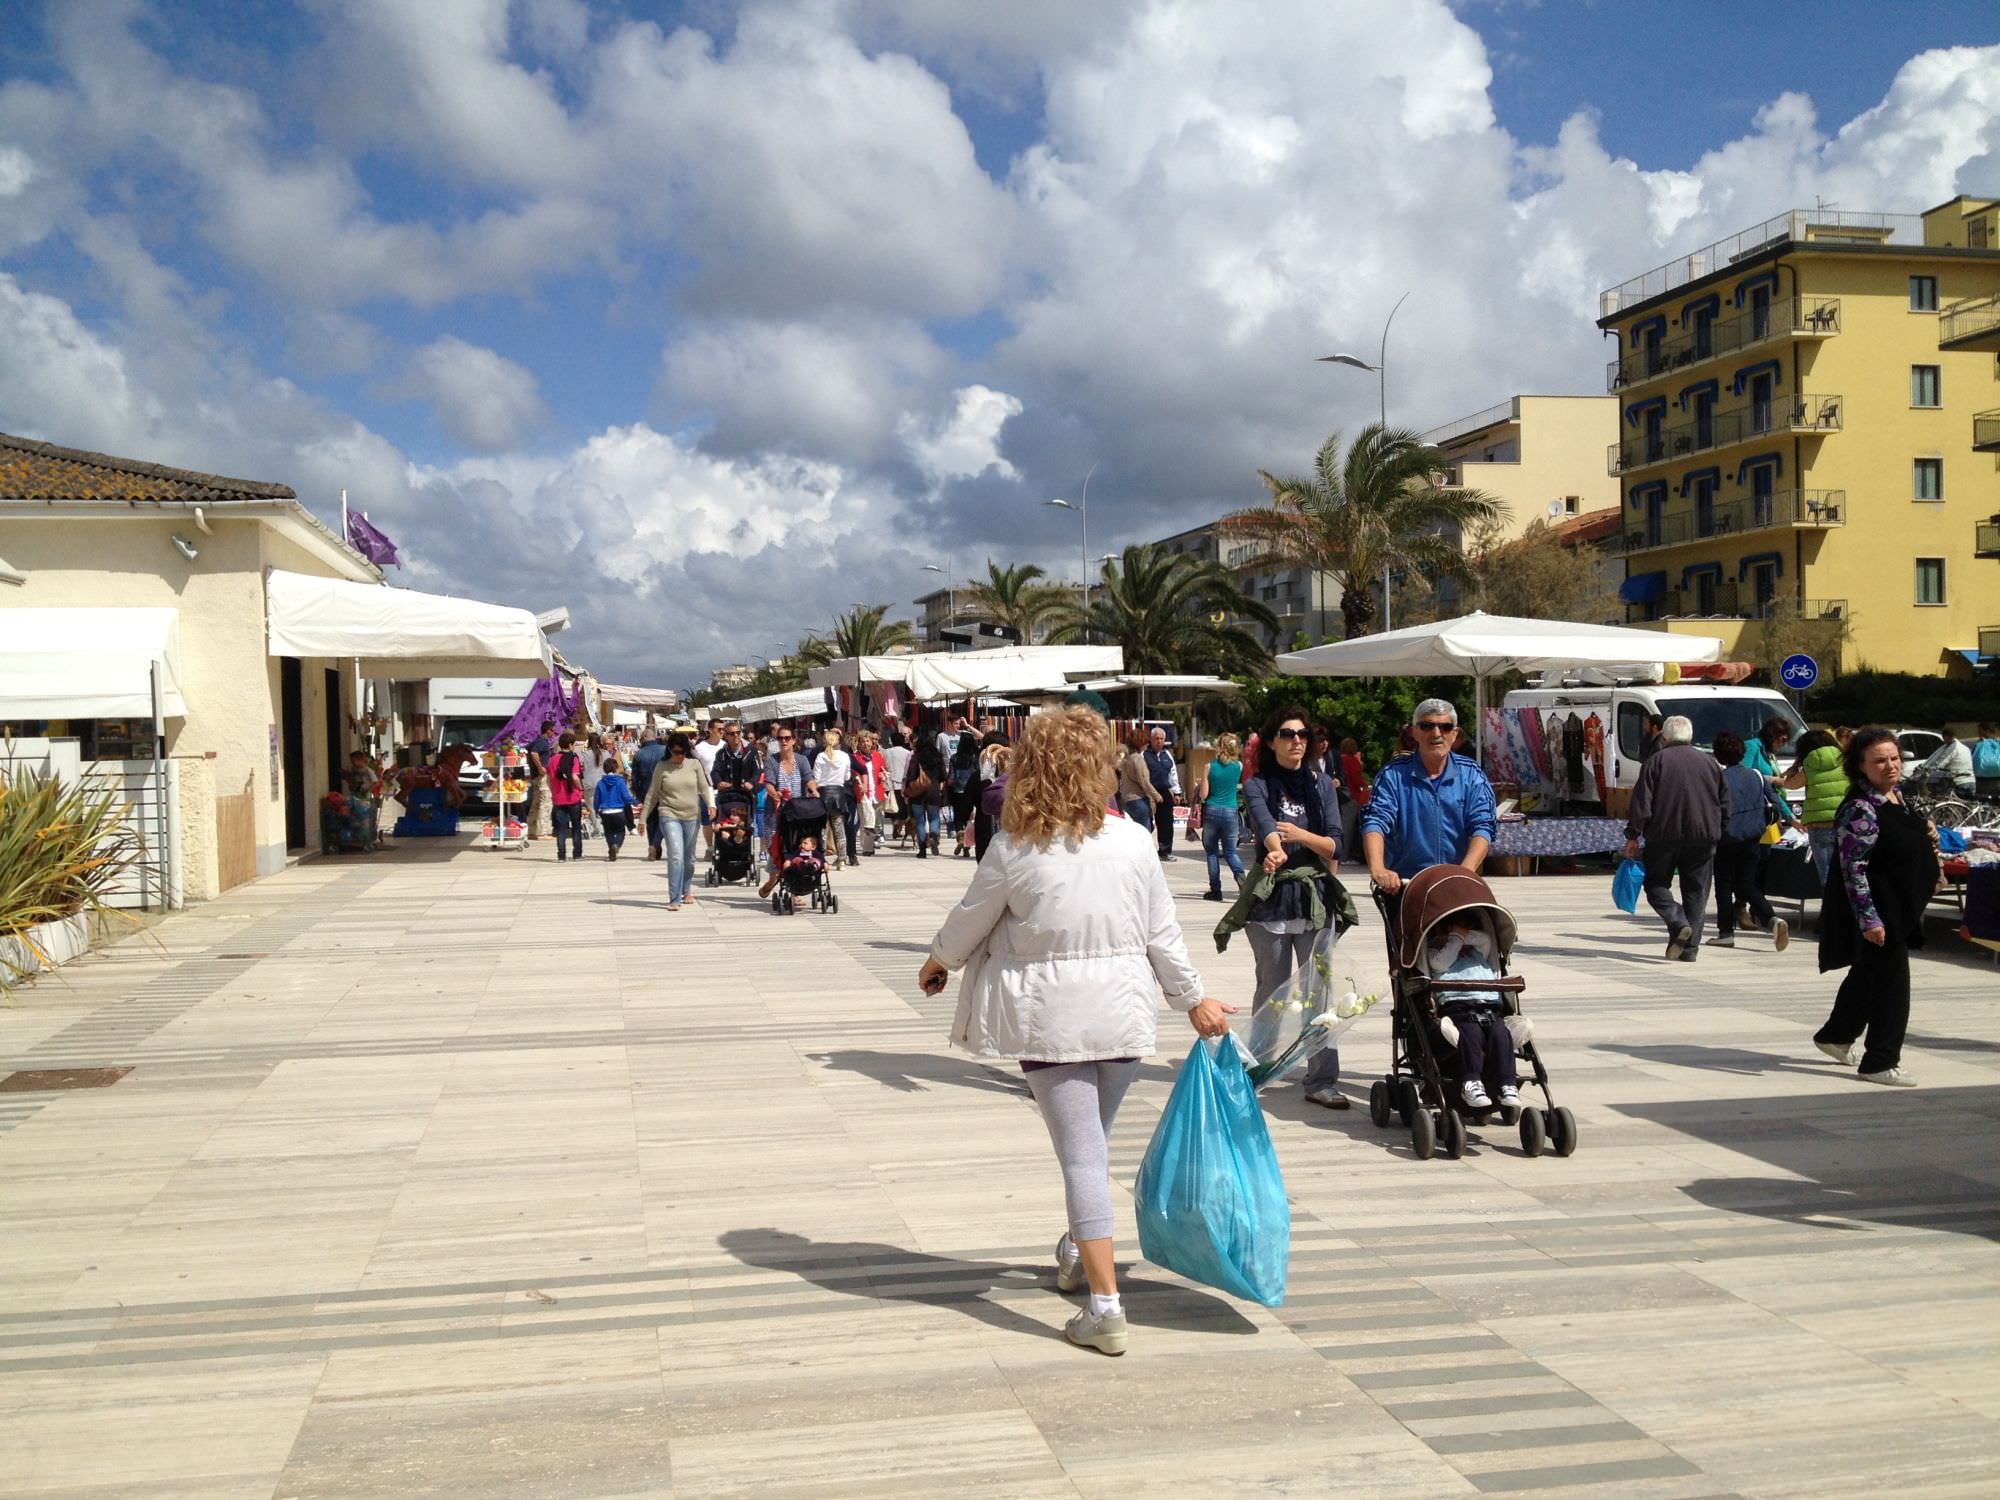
(1923, 294)
(1572, 505)
(1928, 482)
(1924, 385)
(1930, 580)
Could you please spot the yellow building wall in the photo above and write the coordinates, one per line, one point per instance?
(228, 680)
(1561, 441)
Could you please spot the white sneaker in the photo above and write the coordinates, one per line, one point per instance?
(1475, 1096)
(1069, 1264)
(1895, 1078)
(1510, 1096)
(1847, 1056)
(1103, 1332)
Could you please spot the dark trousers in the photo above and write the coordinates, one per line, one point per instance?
(613, 820)
(1485, 1051)
(568, 821)
(1164, 814)
(1739, 877)
(1875, 997)
(1694, 866)
(656, 832)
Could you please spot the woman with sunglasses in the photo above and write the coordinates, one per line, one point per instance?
(678, 793)
(787, 774)
(1295, 818)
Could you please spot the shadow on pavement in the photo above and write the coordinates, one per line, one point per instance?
(885, 1273)
(916, 1072)
(1738, 1060)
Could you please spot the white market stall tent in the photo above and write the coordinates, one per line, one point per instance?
(90, 663)
(965, 674)
(799, 703)
(401, 633)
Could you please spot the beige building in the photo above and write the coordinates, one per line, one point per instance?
(263, 737)
(1541, 456)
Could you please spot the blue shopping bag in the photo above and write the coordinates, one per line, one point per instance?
(1627, 883)
(1211, 1199)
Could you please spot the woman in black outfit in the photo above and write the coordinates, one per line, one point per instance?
(964, 786)
(1884, 874)
(924, 788)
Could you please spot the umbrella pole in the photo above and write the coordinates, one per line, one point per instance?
(1479, 718)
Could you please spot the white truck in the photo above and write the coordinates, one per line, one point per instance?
(1622, 708)
(470, 711)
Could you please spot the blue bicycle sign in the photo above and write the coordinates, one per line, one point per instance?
(1799, 672)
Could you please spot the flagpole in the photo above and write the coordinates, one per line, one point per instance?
(345, 539)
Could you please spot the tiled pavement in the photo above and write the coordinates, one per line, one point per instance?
(445, 1173)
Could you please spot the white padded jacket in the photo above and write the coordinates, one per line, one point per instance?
(1066, 949)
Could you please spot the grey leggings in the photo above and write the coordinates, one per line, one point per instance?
(1079, 1102)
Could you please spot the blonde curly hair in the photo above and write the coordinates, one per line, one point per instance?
(1059, 778)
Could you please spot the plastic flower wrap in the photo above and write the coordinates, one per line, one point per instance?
(1324, 997)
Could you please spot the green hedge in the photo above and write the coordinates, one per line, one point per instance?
(1372, 710)
(1904, 698)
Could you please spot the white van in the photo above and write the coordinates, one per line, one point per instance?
(1710, 707)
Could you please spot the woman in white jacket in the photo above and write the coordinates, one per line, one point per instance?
(1067, 935)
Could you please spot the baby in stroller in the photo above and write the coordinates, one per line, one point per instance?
(1473, 1020)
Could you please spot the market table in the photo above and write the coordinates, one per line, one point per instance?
(1534, 838)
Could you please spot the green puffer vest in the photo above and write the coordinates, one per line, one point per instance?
(1826, 786)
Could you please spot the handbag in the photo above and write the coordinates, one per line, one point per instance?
(919, 786)
(1194, 824)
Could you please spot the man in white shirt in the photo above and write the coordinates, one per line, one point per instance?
(705, 751)
(1950, 763)
(896, 758)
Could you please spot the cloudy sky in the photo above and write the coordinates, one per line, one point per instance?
(711, 320)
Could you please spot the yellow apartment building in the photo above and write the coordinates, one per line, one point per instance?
(1542, 456)
(1808, 411)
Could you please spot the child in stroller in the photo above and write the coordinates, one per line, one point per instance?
(802, 869)
(1457, 1025)
(734, 858)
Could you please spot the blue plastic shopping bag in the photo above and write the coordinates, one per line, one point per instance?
(1211, 1198)
(1627, 883)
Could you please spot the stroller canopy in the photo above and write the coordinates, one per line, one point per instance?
(796, 812)
(1431, 895)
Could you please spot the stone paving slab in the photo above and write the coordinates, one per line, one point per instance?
(440, 1172)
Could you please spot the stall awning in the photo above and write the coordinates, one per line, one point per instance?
(799, 703)
(399, 632)
(1003, 669)
(89, 663)
(660, 700)
(1643, 588)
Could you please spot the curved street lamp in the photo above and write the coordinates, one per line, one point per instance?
(1381, 371)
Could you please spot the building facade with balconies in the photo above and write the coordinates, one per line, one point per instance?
(1307, 604)
(1540, 456)
(1800, 419)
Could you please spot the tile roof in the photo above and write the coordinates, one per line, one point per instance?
(1591, 526)
(42, 471)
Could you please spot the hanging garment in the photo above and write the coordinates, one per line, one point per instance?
(1572, 751)
(1552, 746)
(1593, 750)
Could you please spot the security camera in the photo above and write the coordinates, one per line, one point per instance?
(187, 548)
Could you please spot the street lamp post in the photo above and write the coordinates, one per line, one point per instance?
(950, 600)
(1381, 369)
(1082, 509)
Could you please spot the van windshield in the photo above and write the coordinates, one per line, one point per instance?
(473, 732)
(1746, 716)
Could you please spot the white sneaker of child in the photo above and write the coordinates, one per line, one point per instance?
(1474, 1094)
(1510, 1095)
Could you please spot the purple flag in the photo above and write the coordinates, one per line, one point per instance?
(370, 542)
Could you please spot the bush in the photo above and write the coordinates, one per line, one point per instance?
(60, 847)
(1371, 709)
(1869, 697)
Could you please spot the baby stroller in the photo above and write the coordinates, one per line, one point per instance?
(802, 870)
(733, 860)
(1422, 1086)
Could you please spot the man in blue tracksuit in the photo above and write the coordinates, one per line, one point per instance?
(1430, 808)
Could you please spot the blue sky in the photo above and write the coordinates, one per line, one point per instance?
(653, 310)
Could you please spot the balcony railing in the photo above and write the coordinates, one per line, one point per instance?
(1805, 509)
(1969, 320)
(1986, 431)
(1806, 414)
(1728, 601)
(1797, 224)
(1986, 538)
(1787, 318)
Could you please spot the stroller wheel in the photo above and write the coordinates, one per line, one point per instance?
(1533, 1136)
(1378, 1103)
(1562, 1132)
(833, 903)
(1423, 1135)
(1451, 1133)
(778, 904)
(1404, 1092)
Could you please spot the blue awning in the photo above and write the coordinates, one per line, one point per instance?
(1643, 588)
(1697, 570)
(1971, 654)
(1711, 303)
(1767, 278)
(1775, 559)
(1638, 408)
(1762, 367)
(1762, 460)
(1712, 475)
(1700, 387)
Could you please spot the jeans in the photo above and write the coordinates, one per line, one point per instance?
(1220, 828)
(1875, 997)
(850, 824)
(568, 819)
(1694, 866)
(1822, 851)
(1737, 878)
(656, 831)
(681, 834)
(1276, 955)
(612, 820)
(927, 815)
(1140, 811)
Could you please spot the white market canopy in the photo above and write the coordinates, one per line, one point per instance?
(1003, 669)
(660, 700)
(1161, 681)
(401, 633)
(89, 663)
(799, 703)
(1484, 645)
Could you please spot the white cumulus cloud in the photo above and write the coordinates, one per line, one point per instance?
(482, 399)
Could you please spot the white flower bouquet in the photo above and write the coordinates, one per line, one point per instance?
(1307, 1012)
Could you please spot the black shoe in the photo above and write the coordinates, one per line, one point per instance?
(1212, 896)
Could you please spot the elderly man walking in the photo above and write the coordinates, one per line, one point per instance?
(1166, 779)
(1432, 807)
(1679, 807)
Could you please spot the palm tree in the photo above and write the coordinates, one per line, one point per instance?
(1014, 596)
(1380, 508)
(1171, 613)
(860, 632)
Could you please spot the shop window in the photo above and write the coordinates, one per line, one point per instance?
(1924, 385)
(1923, 294)
(1930, 580)
(1927, 481)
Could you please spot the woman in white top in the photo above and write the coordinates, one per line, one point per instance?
(833, 769)
(593, 772)
(1067, 936)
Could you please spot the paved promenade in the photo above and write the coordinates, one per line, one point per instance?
(447, 1173)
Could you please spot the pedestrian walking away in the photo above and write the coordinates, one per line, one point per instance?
(1216, 793)
(1754, 804)
(964, 790)
(565, 783)
(833, 769)
(645, 761)
(1295, 820)
(1136, 793)
(1067, 936)
(594, 752)
(1678, 806)
(923, 790)
(1872, 914)
(612, 800)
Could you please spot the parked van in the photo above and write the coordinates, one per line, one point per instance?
(1710, 707)
(470, 711)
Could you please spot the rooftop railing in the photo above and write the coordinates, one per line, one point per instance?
(1828, 226)
(1787, 318)
(1507, 410)
(1704, 433)
(1969, 319)
(1782, 511)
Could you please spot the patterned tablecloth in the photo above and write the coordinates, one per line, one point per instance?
(1559, 836)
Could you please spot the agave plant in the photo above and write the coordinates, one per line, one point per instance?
(61, 847)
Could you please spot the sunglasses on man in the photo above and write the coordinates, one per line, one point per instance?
(1435, 726)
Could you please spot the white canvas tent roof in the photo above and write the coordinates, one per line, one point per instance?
(1483, 645)
(1003, 669)
(660, 700)
(401, 633)
(1161, 681)
(89, 663)
(799, 703)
